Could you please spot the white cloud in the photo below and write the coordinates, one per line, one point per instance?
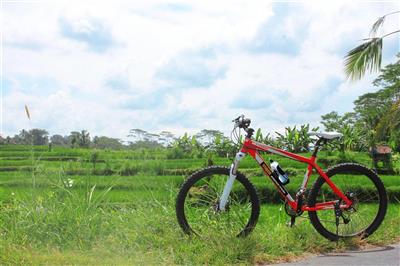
(203, 50)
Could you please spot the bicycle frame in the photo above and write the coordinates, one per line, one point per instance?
(253, 147)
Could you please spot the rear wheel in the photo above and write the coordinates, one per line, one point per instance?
(367, 193)
(197, 204)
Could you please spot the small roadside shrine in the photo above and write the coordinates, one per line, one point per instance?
(382, 159)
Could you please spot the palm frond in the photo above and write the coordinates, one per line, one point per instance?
(366, 56)
(376, 26)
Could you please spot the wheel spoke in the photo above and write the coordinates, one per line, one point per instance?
(200, 204)
(361, 186)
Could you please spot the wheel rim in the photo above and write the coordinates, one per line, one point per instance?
(202, 212)
(364, 210)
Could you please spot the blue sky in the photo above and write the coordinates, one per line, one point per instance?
(181, 66)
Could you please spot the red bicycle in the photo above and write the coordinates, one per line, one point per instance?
(345, 201)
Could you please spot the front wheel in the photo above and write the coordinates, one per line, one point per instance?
(197, 204)
(364, 188)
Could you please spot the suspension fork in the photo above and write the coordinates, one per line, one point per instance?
(229, 183)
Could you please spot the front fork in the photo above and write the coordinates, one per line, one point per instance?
(229, 183)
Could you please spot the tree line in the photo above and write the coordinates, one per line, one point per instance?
(375, 119)
(75, 139)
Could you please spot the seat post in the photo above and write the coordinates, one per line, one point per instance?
(317, 146)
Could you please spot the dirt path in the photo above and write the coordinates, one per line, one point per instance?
(387, 255)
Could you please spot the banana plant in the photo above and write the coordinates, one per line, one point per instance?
(259, 135)
(295, 140)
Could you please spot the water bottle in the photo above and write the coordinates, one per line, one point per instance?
(282, 176)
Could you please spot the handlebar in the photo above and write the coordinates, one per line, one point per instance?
(242, 122)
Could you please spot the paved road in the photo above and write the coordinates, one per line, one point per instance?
(388, 255)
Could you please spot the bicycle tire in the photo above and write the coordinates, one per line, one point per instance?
(207, 175)
(377, 201)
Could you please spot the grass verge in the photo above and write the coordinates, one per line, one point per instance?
(81, 226)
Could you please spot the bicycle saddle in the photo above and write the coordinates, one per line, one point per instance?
(326, 135)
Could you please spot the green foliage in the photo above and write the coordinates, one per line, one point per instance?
(259, 135)
(351, 140)
(79, 219)
(366, 56)
(334, 122)
(144, 144)
(295, 140)
(222, 146)
(134, 223)
(104, 142)
(269, 140)
(80, 139)
(129, 169)
(375, 118)
(376, 26)
(378, 112)
(94, 157)
(59, 140)
(185, 147)
(201, 145)
(388, 127)
(34, 136)
(62, 217)
(208, 136)
(396, 163)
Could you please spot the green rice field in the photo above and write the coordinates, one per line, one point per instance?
(68, 206)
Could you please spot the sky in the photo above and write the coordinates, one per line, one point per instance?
(181, 66)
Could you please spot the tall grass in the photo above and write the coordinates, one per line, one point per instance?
(60, 217)
(80, 219)
(71, 226)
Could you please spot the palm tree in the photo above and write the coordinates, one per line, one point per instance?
(368, 55)
(84, 140)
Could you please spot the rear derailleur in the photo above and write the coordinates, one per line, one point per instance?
(339, 213)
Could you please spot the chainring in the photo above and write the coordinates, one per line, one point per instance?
(289, 211)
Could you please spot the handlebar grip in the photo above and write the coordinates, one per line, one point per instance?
(242, 122)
